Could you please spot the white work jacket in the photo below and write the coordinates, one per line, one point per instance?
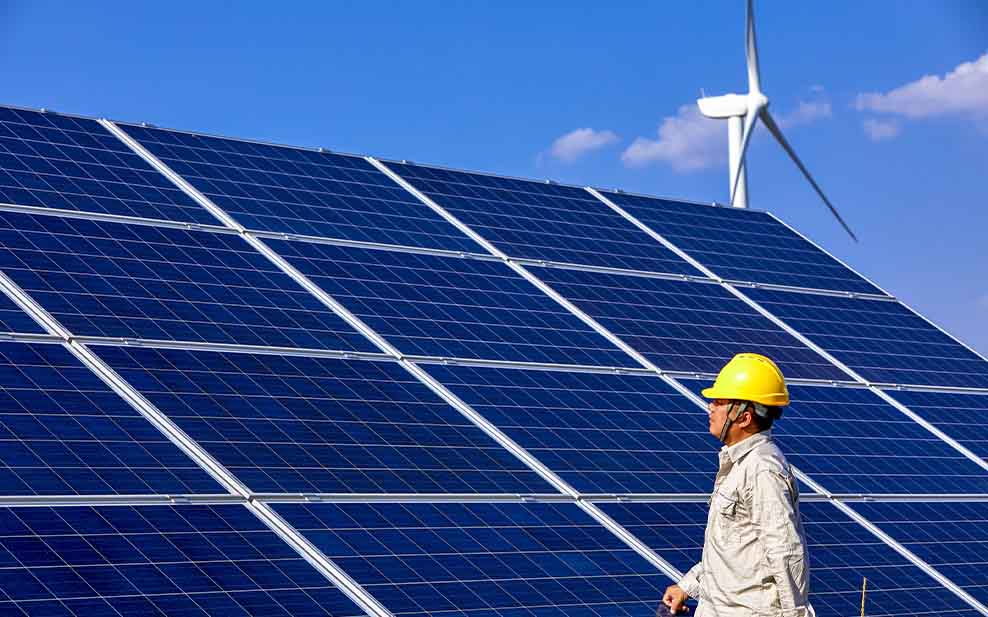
(754, 552)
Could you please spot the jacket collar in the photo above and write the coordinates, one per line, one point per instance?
(738, 451)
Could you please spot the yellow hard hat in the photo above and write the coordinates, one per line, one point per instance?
(750, 377)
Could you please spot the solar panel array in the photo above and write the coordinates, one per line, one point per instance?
(378, 400)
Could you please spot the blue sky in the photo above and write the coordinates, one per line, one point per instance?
(885, 101)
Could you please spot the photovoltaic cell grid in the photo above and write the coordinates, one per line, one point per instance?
(451, 306)
(681, 325)
(841, 551)
(539, 220)
(961, 416)
(64, 432)
(291, 190)
(188, 561)
(482, 560)
(294, 425)
(851, 441)
(743, 245)
(14, 319)
(56, 161)
(602, 433)
(882, 341)
(950, 536)
(110, 279)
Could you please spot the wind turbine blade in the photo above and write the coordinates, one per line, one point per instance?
(749, 126)
(774, 129)
(751, 53)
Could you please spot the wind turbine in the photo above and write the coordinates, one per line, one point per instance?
(742, 112)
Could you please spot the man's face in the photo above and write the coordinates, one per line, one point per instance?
(718, 409)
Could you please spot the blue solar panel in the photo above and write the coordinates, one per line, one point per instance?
(961, 416)
(109, 279)
(64, 432)
(743, 245)
(483, 560)
(294, 424)
(684, 326)
(602, 433)
(182, 561)
(841, 553)
(882, 341)
(851, 441)
(291, 190)
(950, 536)
(451, 306)
(539, 220)
(14, 319)
(75, 164)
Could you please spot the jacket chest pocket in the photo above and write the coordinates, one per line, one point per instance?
(731, 518)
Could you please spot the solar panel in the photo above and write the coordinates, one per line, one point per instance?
(294, 424)
(13, 319)
(292, 190)
(851, 441)
(71, 163)
(950, 536)
(540, 220)
(450, 306)
(482, 560)
(110, 279)
(681, 325)
(190, 560)
(602, 433)
(882, 341)
(961, 416)
(64, 432)
(743, 245)
(841, 552)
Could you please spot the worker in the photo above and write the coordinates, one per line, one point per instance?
(754, 552)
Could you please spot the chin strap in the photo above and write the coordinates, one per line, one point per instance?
(736, 409)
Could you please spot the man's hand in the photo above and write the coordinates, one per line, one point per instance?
(675, 598)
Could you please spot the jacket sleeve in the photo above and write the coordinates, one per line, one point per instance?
(781, 535)
(690, 583)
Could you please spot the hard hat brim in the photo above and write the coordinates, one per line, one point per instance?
(771, 400)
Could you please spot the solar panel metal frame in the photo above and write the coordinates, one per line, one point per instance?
(86, 213)
(171, 382)
(685, 254)
(120, 130)
(687, 271)
(232, 261)
(606, 195)
(595, 514)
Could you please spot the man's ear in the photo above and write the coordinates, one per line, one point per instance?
(746, 419)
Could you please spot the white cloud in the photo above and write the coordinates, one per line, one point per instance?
(575, 144)
(687, 141)
(962, 91)
(878, 130)
(806, 113)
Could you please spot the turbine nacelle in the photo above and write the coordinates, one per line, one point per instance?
(731, 105)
